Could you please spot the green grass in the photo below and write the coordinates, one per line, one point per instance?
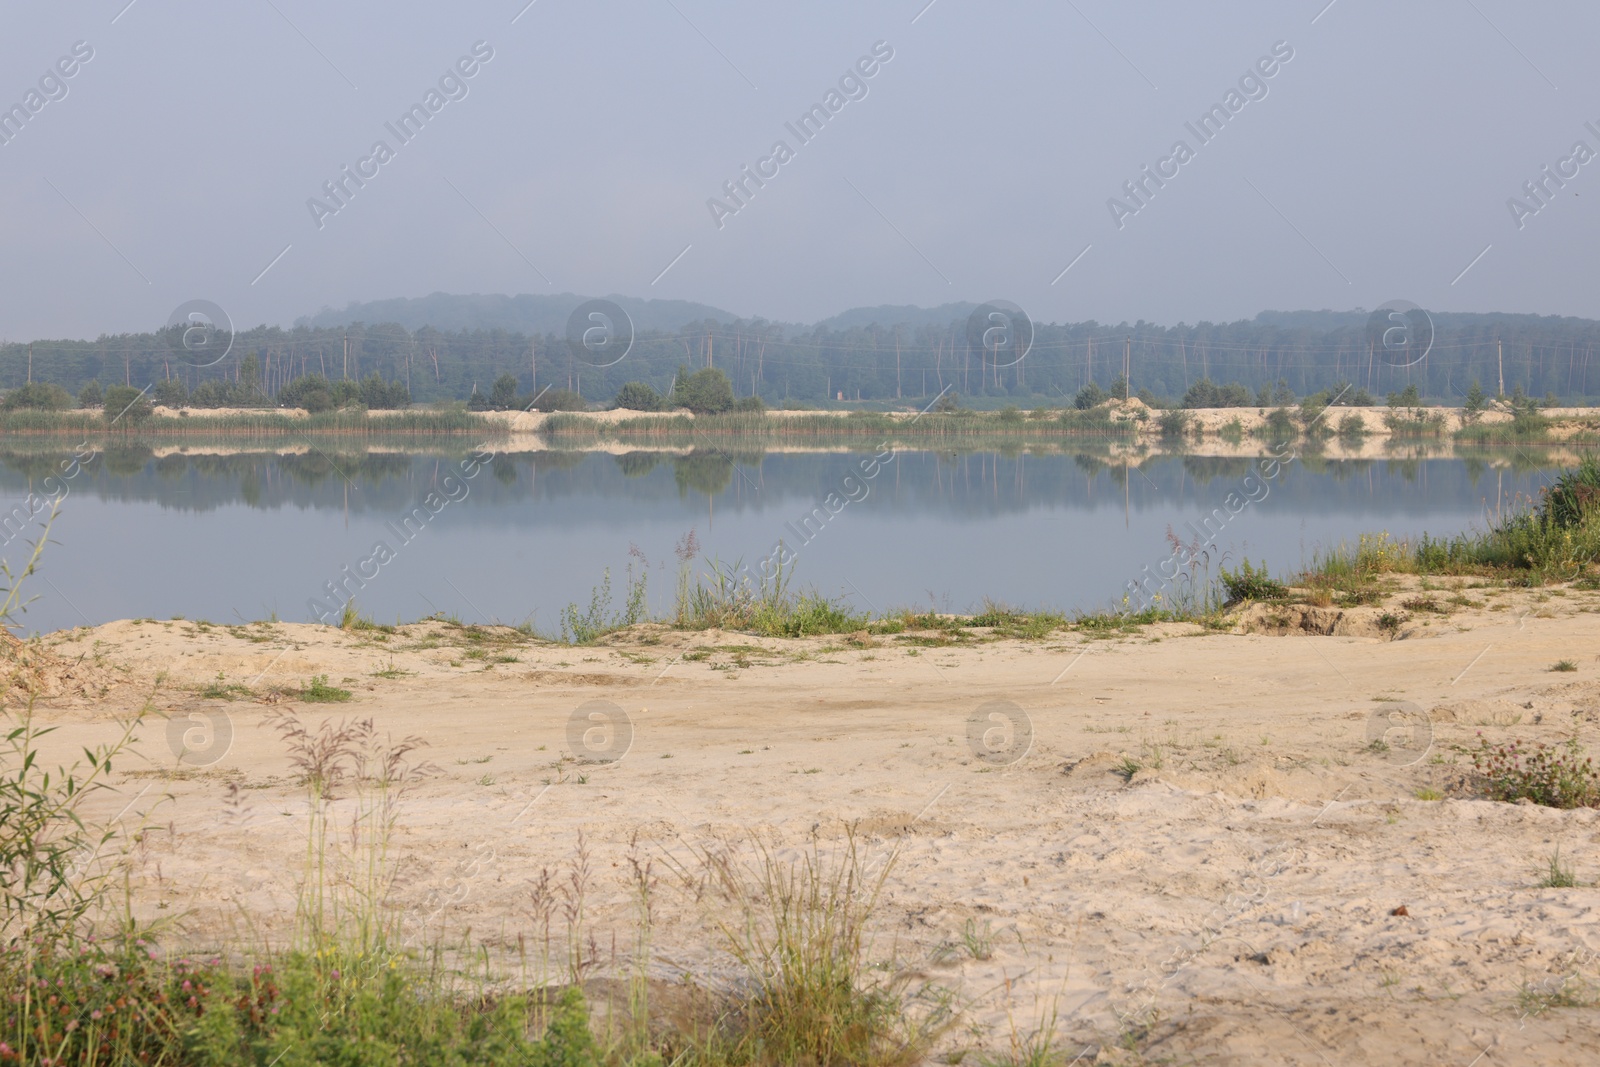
(318, 691)
(1557, 876)
(221, 689)
(1553, 539)
(349, 985)
(266, 423)
(1525, 427)
(845, 427)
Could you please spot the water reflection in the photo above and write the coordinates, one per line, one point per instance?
(222, 535)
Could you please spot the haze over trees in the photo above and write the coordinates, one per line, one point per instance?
(1286, 354)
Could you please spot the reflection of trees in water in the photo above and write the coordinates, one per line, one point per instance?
(1203, 470)
(704, 472)
(1346, 469)
(317, 466)
(1531, 460)
(945, 483)
(127, 459)
(34, 465)
(638, 464)
(250, 488)
(1405, 468)
(559, 461)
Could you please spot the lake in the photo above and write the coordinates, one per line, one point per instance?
(232, 538)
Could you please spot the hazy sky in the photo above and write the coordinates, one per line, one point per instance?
(1375, 164)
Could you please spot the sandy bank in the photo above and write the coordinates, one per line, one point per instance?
(1199, 854)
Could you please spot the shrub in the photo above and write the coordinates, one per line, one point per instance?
(1345, 395)
(1574, 495)
(1208, 394)
(1409, 398)
(1173, 423)
(1251, 583)
(37, 396)
(127, 405)
(1090, 396)
(171, 393)
(1280, 424)
(705, 392)
(586, 627)
(90, 396)
(379, 394)
(1555, 777)
(639, 396)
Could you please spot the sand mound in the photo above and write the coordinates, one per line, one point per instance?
(31, 672)
(1280, 620)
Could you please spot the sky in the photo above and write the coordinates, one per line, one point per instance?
(983, 158)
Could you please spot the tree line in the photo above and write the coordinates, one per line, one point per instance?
(385, 365)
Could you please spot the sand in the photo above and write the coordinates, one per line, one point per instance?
(1229, 900)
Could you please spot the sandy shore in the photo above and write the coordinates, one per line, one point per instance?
(1229, 900)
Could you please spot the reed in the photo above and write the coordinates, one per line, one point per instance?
(255, 425)
(820, 428)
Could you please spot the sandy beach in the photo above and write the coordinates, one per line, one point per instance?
(1184, 849)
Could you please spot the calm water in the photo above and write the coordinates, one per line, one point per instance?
(246, 537)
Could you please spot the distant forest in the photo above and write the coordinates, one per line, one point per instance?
(877, 365)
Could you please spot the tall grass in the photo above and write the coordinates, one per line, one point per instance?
(1526, 425)
(823, 427)
(801, 928)
(1555, 537)
(258, 424)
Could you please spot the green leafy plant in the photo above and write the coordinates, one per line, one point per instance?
(585, 627)
(1251, 583)
(1557, 777)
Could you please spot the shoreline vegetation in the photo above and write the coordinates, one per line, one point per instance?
(1554, 539)
(1495, 424)
(246, 424)
(799, 975)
